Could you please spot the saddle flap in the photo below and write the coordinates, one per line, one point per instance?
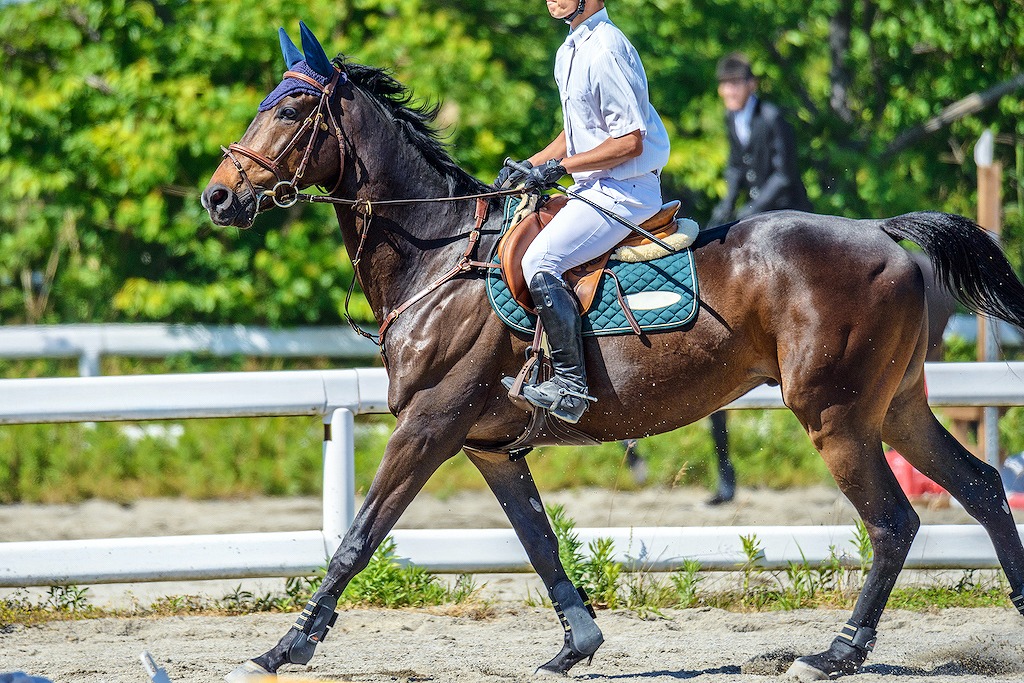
(514, 243)
(585, 278)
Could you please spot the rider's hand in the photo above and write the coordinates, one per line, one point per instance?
(545, 176)
(510, 177)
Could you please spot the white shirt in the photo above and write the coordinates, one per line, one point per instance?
(604, 94)
(743, 118)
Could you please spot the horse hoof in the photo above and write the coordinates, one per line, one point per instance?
(804, 672)
(249, 673)
(563, 661)
(720, 498)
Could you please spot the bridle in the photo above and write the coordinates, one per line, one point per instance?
(285, 192)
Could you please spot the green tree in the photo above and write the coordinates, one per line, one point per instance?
(113, 112)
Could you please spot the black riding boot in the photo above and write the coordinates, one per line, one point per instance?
(564, 395)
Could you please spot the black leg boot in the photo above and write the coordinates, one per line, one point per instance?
(564, 395)
(582, 635)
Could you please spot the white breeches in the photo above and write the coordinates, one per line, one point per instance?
(579, 232)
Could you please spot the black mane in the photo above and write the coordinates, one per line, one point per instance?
(413, 119)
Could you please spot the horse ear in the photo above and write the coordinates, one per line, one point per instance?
(292, 56)
(315, 55)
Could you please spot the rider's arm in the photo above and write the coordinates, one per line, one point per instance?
(609, 154)
(555, 150)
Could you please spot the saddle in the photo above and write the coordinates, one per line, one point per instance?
(534, 214)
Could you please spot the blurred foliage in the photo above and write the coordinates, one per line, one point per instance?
(210, 459)
(201, 459)
(113, 112)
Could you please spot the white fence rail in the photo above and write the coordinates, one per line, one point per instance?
(338, 395)
(89, 343)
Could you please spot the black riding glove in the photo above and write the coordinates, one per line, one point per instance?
(545, 176)
(510, 177)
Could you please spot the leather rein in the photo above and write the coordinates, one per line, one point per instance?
(285, 194)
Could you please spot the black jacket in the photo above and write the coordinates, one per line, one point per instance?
(766, 168)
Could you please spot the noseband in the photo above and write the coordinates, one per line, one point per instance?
(285, 192)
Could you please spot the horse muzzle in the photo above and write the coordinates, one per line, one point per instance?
(227, 208)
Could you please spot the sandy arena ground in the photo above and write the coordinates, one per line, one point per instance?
(508, 640)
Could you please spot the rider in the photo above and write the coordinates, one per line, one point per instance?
(614, 144)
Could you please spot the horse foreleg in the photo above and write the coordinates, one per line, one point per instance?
(854, 456)
(417, 448)
(515, 490)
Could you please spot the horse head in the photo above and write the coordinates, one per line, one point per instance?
(284, 149)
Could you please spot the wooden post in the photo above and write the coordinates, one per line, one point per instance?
(990, 205)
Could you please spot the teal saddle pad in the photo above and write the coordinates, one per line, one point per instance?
(662, 295)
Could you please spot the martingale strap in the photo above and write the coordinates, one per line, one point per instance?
(464, 265)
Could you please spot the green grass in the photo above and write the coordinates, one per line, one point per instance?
(389, 583)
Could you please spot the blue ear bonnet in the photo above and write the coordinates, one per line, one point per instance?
(314, 64)
(293, 86)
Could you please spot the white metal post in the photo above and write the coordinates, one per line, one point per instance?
(339, 476)
(89, 363)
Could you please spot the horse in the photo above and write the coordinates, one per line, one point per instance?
(941, 305)
(830, 309)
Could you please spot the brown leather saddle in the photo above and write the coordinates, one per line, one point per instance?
(585, 278)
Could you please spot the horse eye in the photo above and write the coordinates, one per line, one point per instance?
(289, 113)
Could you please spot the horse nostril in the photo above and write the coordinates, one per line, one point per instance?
(218, 197)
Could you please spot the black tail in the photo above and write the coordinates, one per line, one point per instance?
(967, 261)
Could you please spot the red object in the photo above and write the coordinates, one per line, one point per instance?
(913, 483)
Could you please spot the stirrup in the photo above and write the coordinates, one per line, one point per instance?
(567, 411)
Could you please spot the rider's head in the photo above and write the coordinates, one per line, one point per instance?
(573, 11)
(736, 82)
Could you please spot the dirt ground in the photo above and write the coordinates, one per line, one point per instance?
(506, 641)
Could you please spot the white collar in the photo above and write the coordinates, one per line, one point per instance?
(579, 35)
(747, 112)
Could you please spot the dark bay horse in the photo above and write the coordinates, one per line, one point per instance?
(831, 309)
(940, 305)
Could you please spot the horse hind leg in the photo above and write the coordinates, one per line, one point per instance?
(912, 429)
(515, 490)
(846, 428)
(855, 459)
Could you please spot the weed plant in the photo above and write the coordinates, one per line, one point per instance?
(834, 582)
(60, 603)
